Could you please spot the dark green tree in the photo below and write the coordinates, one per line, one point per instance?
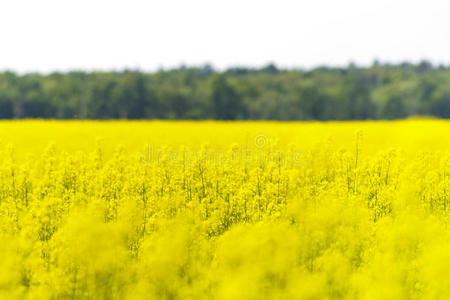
(227, 104)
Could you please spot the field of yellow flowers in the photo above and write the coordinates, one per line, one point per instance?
(217, 210)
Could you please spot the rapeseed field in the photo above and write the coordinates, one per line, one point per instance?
(224, 210)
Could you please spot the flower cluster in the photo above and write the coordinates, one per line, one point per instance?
(342, 224)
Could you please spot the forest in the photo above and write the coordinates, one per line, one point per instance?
(379, 91)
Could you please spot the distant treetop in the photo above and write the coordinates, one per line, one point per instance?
(379, 91)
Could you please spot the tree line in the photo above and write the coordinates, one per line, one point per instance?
(380, 91)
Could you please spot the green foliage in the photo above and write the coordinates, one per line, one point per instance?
(324, 93)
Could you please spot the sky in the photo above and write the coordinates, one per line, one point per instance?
(49, 35)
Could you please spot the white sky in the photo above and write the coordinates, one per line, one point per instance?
(49, 35)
